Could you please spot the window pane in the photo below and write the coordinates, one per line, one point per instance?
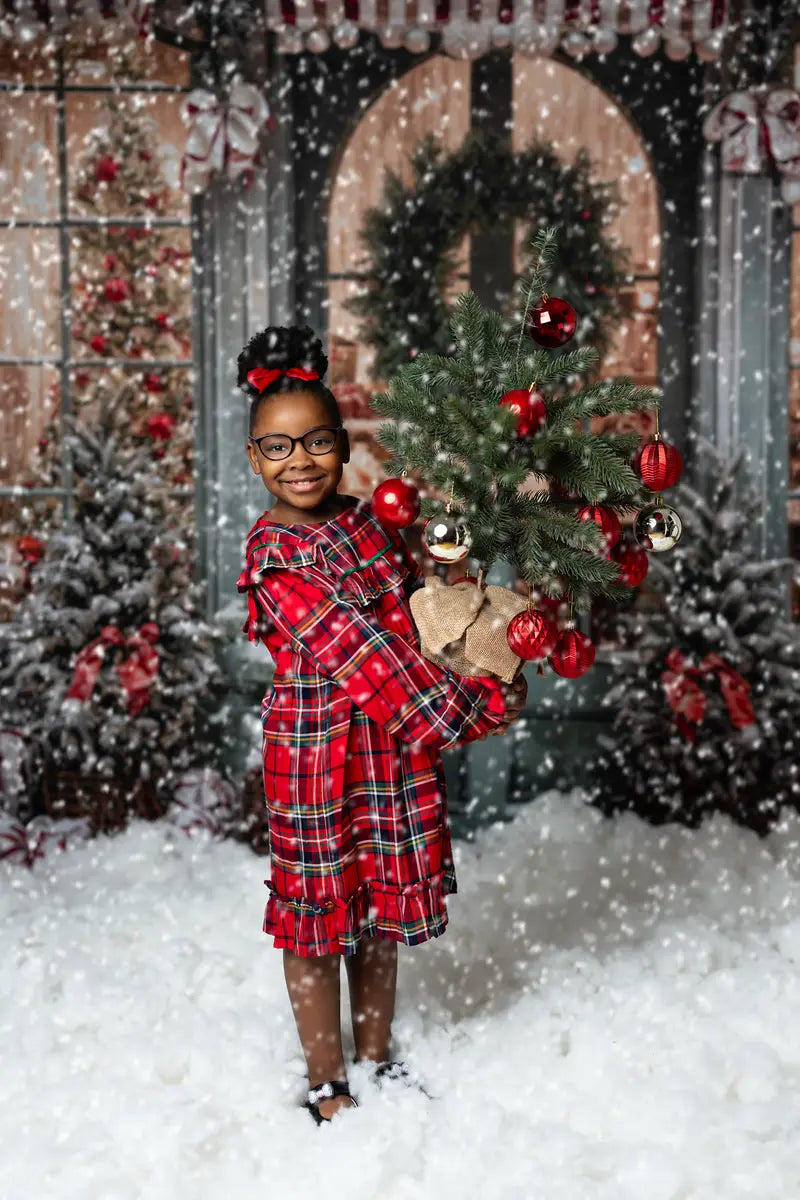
(33, 62)
(131, 292)
(30, 312)
(24, 517)
(29, 157)
(29, 399)
(111, 51)
(124, 155)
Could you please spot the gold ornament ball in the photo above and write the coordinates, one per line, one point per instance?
(657, 528)
(447, 537)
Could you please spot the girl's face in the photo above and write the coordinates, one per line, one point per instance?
(293, 414)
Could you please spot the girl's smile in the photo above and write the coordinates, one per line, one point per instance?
(303, 482)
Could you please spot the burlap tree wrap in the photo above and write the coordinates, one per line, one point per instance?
(463, 627)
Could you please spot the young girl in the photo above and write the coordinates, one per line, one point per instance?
(354, 723)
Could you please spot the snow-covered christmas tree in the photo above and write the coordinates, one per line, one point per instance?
(108, 667)
(708, 689)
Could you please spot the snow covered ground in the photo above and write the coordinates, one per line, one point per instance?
(613, 1013)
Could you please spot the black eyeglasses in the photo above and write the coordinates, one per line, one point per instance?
(321, 440)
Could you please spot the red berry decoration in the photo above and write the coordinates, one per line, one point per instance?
(573, 654)
(395, 503)
(606, 518)
(529, 409)
(633, 563)
(531, 634)
(660, 465)
(551, 322)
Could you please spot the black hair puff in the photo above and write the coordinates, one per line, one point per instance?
(281, 347)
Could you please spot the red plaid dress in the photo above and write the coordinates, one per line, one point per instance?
(353, 728)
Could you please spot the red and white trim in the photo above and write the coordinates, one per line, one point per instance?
(471, 27)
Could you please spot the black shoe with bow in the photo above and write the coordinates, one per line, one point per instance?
(325, 1091)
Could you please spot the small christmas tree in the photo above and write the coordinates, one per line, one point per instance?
(709, 689)
(108, 665)
(501, 429)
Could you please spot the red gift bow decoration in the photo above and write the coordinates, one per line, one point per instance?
(136, 673)
(262, 377)
(759, 128)
(223, 135)
(688, 700)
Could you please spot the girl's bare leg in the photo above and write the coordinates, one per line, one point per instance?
(372, 979)
(315, 993)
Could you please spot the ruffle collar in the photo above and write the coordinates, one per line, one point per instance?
(360, 557)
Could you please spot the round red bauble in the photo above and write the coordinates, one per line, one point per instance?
(30, 548)
(573, 654)
(162, 320)
(551, 322)
(106, 169)
(153, 383)
(110, 261)
(117, 289)
(529, 409)
(633, 563)
(99, 344)
(395, 502)
(160, 425)
(531, 634)
(660, 465)
(152, 200)
(606, 518)
(82, 379)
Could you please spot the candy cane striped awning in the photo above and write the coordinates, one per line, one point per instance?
(469, 28)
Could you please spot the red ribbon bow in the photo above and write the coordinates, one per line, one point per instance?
(688, 700)
(136, 673)
(261, 377)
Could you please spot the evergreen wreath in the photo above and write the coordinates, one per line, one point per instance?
(412, 241)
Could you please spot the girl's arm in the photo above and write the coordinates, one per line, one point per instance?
(382, 673)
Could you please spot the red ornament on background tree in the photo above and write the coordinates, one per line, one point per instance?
(573, 654)
(395, 503)
(531, 635)
(551, 322)
(528, 405)
(106, 170)
(30, 548)
(606, 518)
(117, 290)
(660, 465)
(633, 563)
(160, 426)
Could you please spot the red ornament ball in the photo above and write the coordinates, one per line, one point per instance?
(606, 518)
(531, 634)
(163, 320)
(153, 383)
(551, 322)
(160, 426)
(30, 548)
(395, 503)
(99, 344)
(110, 261)
(106, 169)
(529, 409)
(633, 563)
(660, 465)
(573, 654)
(116, 290)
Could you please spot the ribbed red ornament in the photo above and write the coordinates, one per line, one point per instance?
(660, 465)
(633, 563)
(531, 634)
(606, 518)
(395, 502)
(573, 654)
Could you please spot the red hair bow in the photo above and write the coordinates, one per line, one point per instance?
(261, 378)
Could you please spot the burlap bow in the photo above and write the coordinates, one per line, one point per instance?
(463, 627)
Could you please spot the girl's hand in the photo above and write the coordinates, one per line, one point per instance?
(516, 695)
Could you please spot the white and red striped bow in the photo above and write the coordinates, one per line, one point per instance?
(223, 135)
(759, 129)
